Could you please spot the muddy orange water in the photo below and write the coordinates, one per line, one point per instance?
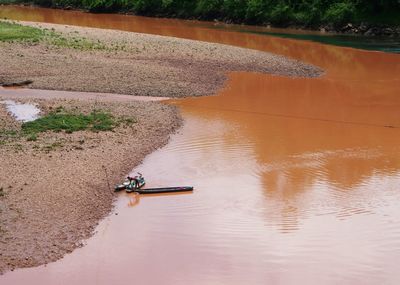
(297, 181)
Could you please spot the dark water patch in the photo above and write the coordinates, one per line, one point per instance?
(384, 44)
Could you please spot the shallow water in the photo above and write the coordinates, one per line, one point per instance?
(296, 180)
(22, 112)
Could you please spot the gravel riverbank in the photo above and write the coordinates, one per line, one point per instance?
(135, 64)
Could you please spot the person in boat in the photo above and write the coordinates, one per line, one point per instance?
(133, 181)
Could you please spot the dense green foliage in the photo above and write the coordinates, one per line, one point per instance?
(278, 12)
(10, 1)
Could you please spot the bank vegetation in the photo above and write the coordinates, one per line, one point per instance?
(332, 14)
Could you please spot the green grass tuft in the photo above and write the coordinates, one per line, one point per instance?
(53, 146)
(69, 122)
(31, 138)
(8, 133)
(126, 121)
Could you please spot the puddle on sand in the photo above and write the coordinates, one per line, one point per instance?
(22, 112)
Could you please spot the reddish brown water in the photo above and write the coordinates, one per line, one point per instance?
(297, 180)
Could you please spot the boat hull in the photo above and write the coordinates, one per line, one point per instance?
(164, 190)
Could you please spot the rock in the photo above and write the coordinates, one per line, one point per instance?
(347, 27)
(378, 31)
(370, 32)
(363, 27)
(15, 84)
(388, 31)
(329, 28)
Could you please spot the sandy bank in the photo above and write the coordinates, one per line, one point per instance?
(136, 64)
(55, 189)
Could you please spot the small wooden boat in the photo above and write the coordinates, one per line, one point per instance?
(135, 184)
(164, 190)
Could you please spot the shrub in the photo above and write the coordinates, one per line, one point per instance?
(280, 14)
(234, 9)
(340, 13)
(310, 17)
(146, 6)
(255, 12)
(44, 3)
(179, 8)
(208, 8)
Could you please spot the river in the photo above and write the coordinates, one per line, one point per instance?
(297, 181)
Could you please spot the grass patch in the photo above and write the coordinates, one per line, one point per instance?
(69, 122)
(52, 146)
(8, 133)
(15, 32)
(8, 136)
(10, 32)
(126, 121)
(73, 42)
(32, 137)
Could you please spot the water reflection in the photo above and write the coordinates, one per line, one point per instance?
(134, 200)
(315, 161)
